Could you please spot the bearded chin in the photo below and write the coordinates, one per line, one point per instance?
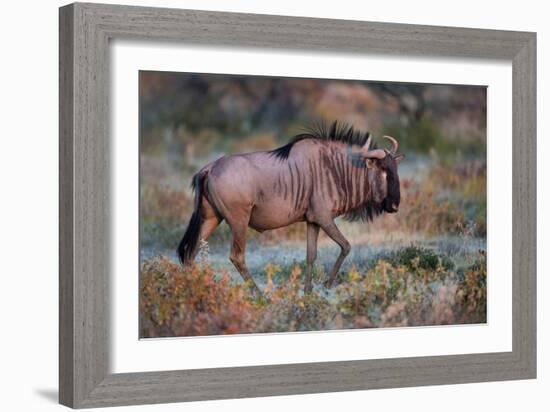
(365, 212)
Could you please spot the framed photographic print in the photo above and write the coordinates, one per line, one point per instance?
(257, 205)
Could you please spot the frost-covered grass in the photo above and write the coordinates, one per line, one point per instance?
(411, 286)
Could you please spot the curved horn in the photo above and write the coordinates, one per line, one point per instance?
(375, 154)
(394, 144)
(367, 143)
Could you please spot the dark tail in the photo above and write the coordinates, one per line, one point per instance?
(188, 244)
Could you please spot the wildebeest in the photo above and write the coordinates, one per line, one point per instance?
(316, 177)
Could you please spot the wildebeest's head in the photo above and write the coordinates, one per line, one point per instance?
(383, 176)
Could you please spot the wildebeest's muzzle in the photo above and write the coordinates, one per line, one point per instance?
(392, 200)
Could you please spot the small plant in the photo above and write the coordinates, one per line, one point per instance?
(204, 251)
(425, 258)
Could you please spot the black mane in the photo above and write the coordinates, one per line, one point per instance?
(338, 132)
(364, 213)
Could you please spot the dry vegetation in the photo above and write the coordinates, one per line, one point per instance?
(425, 290)
(424, 265)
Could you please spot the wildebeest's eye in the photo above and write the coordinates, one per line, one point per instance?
(371, 163)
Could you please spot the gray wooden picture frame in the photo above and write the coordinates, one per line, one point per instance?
(85, 32)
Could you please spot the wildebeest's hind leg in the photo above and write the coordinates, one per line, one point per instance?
(237, 256)
(311, 255)
(334, 233)
(211, 220)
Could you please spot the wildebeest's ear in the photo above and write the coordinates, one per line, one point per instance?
(398, 158)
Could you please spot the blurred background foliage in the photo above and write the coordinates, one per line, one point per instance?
(188, 120)
(196, 114)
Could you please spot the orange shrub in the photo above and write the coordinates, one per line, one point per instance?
(191, 301)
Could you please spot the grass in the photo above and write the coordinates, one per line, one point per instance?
(412, 287)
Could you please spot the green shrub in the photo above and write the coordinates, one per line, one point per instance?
(416, 256)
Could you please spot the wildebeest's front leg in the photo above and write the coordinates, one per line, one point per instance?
(237, 255)
(334, 233)
(312, 236)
